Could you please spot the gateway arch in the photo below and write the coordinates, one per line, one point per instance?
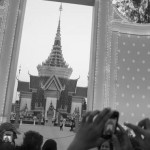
(109, 30)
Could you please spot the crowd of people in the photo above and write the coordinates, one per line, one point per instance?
(91, 134)
(96, 131)
(32, 140)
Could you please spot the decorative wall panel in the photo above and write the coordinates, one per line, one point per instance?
(130, 69)
(120, 60)
(133, 77)
(11, 16)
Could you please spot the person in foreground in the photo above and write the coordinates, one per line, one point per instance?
(90, 133)
(142, 133)
(32, 141)
(50, 144)
(8, 133)
(7, 146)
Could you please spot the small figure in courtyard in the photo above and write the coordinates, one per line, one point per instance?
(72, 125)
(34, 119)
(39, 116)
(43, 120)
(61, 125)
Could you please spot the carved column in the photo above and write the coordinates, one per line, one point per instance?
(11, 27)
(99, 70)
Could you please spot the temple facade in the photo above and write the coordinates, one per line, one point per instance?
(53, 86)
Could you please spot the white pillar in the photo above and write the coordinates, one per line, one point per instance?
(12, 20)
(99, 70)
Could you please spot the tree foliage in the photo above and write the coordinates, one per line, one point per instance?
(137, 11)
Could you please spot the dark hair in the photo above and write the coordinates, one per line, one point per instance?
(135, 143)
(50, 144)
(32, 140)
(7, 146)
(7, 126)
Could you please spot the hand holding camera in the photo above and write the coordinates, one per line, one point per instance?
(90, 132)
(111, 125)
(8, 136)
(114, 134)
(109, 130)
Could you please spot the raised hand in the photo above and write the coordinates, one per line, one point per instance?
(122, 142)
(142, 132)
(90, 131)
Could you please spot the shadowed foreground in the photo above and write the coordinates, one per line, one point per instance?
(63, 138)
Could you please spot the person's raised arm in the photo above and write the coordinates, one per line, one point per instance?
(142, 133)
(122, 142)
(90, 131)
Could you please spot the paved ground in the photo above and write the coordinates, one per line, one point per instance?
(63, 138)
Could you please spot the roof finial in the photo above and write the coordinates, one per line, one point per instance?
(58, 29)
(19, 69)
(60, 9)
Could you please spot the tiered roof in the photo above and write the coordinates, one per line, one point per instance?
(55, 63)
(56, 57)
(81, 91)
(37, 82)
(23, 86)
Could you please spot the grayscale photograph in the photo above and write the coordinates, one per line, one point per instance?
(74, 74)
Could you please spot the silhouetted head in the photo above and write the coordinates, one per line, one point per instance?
(50, 145)
(7, 146)
(7, 126)
(8, 132)
(32, 140)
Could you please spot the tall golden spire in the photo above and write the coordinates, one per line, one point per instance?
(58, 29)
(55, 63)
(60, 9)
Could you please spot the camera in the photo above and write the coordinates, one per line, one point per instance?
(7, 137)
(111, 125)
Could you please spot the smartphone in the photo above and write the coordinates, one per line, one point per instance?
(111, 125)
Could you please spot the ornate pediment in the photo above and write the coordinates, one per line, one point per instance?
(53, 83)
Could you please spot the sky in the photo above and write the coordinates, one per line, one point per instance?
(38, 34)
